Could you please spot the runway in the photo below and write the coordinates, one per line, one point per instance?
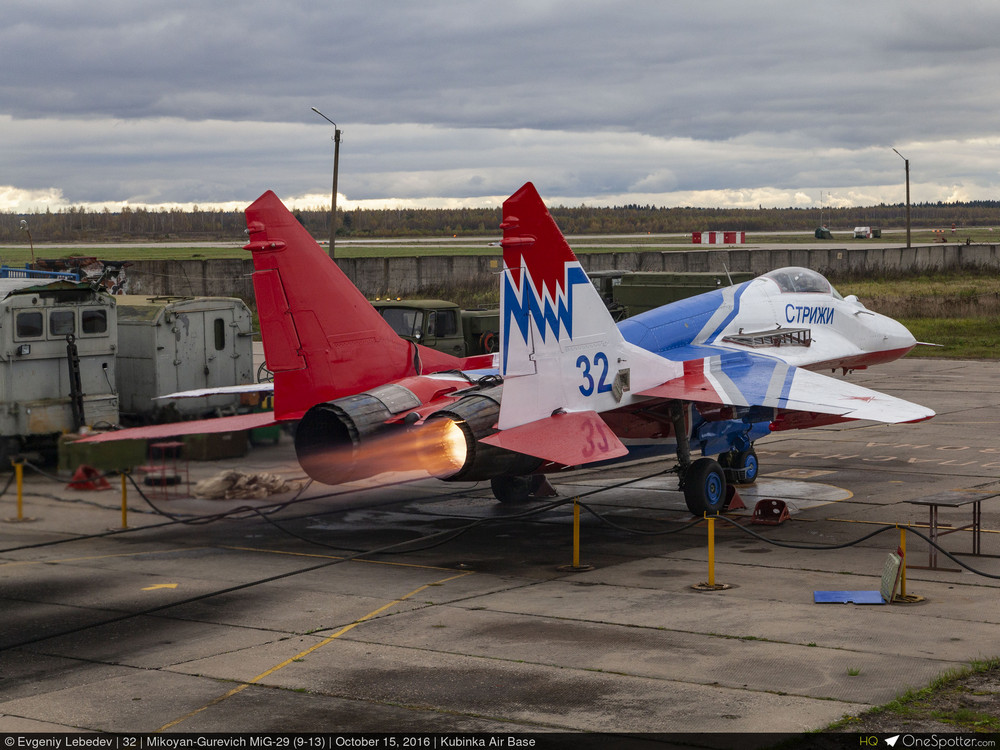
(284, 620)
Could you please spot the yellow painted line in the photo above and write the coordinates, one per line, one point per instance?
(160, 586)
(334, 557)
(100, 557)
(301, 655)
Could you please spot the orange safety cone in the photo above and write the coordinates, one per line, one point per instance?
(87, 478)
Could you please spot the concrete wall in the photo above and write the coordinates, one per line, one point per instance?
(380, 276)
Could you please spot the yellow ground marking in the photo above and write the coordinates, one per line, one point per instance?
(160, 586)
(100, 557)
(329, 639)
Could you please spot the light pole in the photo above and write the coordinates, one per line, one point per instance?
(907, 163)
(24, 227)
(336, 165)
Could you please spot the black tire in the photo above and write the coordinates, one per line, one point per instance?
(510, 489)
(745, 462)
(704, 485)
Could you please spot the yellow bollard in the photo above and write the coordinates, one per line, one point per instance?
(902, 572)
(711, 552)
(19, 478)
(124, 502)
(711, 585)
(576, 567)
(576, 534)
(903, 597)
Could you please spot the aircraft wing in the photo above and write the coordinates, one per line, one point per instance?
(742, 379)
(191, 427)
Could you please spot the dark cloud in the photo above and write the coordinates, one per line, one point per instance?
(200, 101)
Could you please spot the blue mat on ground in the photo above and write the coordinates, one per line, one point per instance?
(848, 597)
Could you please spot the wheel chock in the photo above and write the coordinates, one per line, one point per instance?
(87, 478)
(770, 512)
(733, 499)
(540, 487)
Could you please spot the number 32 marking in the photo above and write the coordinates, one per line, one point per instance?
(600, 362)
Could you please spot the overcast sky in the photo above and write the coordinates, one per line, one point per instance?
(442, 103)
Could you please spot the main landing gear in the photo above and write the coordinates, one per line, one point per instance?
(514, 490)
(704, 486)
(704, 481)
(741, 467)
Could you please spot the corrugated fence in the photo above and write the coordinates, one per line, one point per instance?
(413, 275)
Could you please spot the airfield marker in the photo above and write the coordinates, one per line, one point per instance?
(576, 567)
(19, 478)
(711, 551)
(124, 502)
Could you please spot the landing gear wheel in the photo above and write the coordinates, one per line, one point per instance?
(510, 489)
(741, 467)
(263, 374)
(704, 485)
(746, 461)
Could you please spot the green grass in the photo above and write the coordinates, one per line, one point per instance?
(961, 338)
(956, 285)
(20, 253)
(937, 701)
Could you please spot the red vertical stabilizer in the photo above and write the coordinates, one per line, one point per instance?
(322, 338)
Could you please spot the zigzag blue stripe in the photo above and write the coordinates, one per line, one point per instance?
(527, 306)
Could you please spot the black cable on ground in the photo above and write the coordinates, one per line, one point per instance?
(445, 537)
(796, 545)
(220, 592)
(532, 511)
(843, 545)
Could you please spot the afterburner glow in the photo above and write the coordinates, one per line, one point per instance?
(436, 448)
(444, 448)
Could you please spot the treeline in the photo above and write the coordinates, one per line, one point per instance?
(78, 225)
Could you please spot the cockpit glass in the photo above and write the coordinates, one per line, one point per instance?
(801, 281)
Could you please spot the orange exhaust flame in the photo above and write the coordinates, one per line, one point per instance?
(436, 449)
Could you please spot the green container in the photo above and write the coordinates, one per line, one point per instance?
(116, 455)
(215, 446)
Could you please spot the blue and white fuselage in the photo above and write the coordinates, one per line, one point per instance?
(726, 367)
(763, 316)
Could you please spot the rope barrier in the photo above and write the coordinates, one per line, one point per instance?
(428, 541)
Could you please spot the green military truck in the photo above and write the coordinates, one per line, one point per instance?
(442, 325)
(628, 293)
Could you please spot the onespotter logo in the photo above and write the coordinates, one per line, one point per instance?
(927, 741)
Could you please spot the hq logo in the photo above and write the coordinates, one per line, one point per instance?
(872, 741)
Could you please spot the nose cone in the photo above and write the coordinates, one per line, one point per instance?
(896, 338)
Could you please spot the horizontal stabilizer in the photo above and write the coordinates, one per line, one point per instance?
(569, 439)
(225, 390)
(193, 427)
